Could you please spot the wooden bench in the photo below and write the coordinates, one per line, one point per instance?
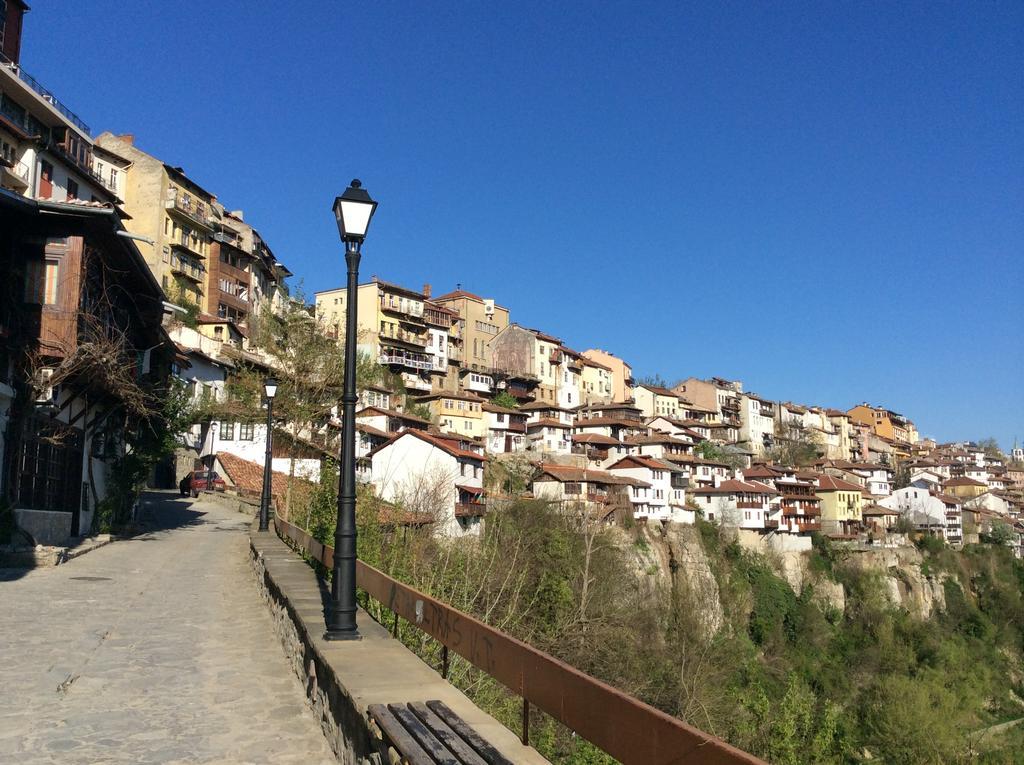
(430, 733)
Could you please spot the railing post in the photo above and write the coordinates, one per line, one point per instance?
(526, 723)
(394, 626)
(444, 662)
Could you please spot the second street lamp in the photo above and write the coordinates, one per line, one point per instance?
(269, 391)
(353, 211)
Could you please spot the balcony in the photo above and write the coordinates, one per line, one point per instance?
(808, 526)
(409, 360)
(192, 271)
(771, 524)
(555, 357)
(187, 249)
(415, 382)
(454, 354)
(479, 383)
(46, 95)
(405, 336)
(14, 175)
(194, 210)
(406, 307)
(469, 509)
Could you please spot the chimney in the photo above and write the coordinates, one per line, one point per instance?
(426, 291)
(128, 138)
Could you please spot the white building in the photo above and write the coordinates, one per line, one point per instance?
(665, 497)
(423, 473)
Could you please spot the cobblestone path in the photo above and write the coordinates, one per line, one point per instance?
(151, 650)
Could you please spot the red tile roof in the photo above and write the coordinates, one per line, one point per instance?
(830, 483)
(248, 477)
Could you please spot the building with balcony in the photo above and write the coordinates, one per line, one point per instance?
(599, 493)
(658, 402)
(424, 473)
(81, 340)
(739, 504)
(506, 429)
(620, 372)
(841, 503)
(480, 321)
(392, 328)
(666, 499)
(884, 422)
(175, 212)
(519, 353)
(715, 394)
(757, 422)
(46, 150)
(597, 384)
(457, 413)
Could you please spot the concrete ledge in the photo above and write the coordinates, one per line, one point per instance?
(343, 679)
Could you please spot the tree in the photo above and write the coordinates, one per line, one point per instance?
(652, 381)
(709, 450)
(991, 448)
(309, 368)
(795, 446)
(505, 399)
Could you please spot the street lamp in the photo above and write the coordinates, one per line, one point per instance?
(269, 391)
(353, 210)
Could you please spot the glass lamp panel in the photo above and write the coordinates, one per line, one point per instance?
(356, 217)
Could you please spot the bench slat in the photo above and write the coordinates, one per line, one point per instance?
(422, 734)
(463, 751)
(491, 755)
(400, 738)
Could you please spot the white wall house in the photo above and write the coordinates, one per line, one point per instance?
(506, 429)
(665, 499)
(932, 513)
(739, 504)
(424, 473)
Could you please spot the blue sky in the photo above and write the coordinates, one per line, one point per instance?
(824, 200)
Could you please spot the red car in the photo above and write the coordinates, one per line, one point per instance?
(201, 480)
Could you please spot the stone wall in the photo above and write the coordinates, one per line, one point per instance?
(344, 727)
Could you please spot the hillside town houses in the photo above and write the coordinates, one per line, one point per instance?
(469, 392)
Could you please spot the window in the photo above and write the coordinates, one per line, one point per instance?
(227, 431)
(245, 431)
(72, 189)
(45, 179)
(574, 488)
(113, 177)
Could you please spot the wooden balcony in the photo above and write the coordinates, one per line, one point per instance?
(469, 509)
(808, 526)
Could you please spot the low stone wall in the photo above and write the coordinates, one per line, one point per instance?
(344, 678)
(343, 726)
(47, 527)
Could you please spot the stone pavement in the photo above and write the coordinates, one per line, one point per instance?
(156, 649)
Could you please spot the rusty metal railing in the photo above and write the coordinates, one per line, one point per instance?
(618, 724)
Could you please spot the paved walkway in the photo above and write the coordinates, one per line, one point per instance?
(152, 650)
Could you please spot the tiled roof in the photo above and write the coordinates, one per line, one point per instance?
(444, 444)
(962, 482)
(830, 483)
(643, 461)
(733, 486)
(595, 438)
(563, 473)
(248, 477)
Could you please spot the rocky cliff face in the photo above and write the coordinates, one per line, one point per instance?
(674, 561)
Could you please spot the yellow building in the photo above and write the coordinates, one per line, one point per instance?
(964, 488)
(174, 211)
(457, 413)
(885, 423)
(621, 373)
(396, 327)
(841, 503)
(596, 382)
(481, 319)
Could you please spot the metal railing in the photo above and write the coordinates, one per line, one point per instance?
(620, 725)
(47, 96)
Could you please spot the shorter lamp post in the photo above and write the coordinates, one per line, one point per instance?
(353, 211)
(269, 391)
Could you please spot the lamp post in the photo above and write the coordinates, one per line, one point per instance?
(353, 211)
(269, 390)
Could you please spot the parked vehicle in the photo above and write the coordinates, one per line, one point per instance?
(201, 480)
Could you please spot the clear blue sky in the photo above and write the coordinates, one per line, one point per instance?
(824, 200)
